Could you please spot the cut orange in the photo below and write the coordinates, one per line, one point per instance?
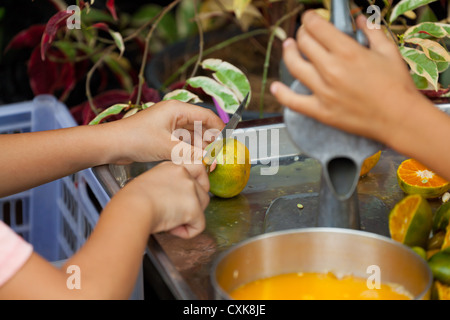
(414, 178)
(369, 163)
(410, 221)
(446, 243)
(440, 291)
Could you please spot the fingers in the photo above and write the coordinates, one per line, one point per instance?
(306, 104)
(187, 114)
(195, 222)
(198, 172)
(298, 66)
(327, 35)
(376, 36)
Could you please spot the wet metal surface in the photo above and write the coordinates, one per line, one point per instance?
(185, 265)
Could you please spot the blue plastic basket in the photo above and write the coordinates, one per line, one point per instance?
(57, 217)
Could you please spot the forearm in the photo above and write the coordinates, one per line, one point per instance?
(31, 159)
(107, 265)
(422, 133)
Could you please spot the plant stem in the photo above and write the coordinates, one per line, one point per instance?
(201, 42)
(146, 48)
(89, 77)
(268, 55)
(212, 49)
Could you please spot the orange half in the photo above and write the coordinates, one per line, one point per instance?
(415, 178)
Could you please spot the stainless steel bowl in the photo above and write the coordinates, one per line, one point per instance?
(341, 251)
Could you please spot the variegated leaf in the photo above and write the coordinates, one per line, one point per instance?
(431, 48)
(421, 65)
(230, 76)
(226, 98)
(442, 66)
(182, 95)
(115, 109)
(435, 30)
(406, 5)
(118, 40)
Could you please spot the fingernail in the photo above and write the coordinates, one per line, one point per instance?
(288, 42)
(274, 88)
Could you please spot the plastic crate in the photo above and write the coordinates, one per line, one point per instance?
(57, 217)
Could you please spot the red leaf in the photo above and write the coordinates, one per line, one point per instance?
(42, 74)
(83, 113)
(147, 95)
(101, 25)
(28, 38)
(111, 7)
(435, 94)
(53, 25)
(48, 76)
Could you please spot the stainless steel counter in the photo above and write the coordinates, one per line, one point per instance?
(184, 265)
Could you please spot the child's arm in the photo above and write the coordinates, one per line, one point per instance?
(166, 198)
(364, 91)
(31, 159)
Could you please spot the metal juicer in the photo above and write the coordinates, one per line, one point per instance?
(340, 154)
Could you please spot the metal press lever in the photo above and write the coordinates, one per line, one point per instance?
(340, 154)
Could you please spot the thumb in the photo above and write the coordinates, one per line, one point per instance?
(185, 153)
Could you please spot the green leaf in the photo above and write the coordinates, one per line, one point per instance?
(115, 109)
(118, 40)
(446, 27)
(167, 27)
(406, 5)
(436, 30)
(432, 49)
(442, 66)
(67, 47)
(427, 15)
(117, 68)
(182, 95)
(226, 98)
(420, 82)
(230, 76)
(421, 65)
(185, 18)
(94, 16)
(147, 105)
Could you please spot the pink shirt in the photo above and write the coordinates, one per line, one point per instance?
(14, 252)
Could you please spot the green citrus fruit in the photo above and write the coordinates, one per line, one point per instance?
(440, 266)
(420, 251)
(410, 221)
(232, 171)
(414, 178)
(441, 217)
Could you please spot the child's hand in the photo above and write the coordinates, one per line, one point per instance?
(171, 197)
(354, 88)
(148, 135)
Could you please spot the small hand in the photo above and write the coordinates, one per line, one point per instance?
(360, 90)
(152, 134)
(174, 195)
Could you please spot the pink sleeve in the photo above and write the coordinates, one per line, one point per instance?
(14, 252)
